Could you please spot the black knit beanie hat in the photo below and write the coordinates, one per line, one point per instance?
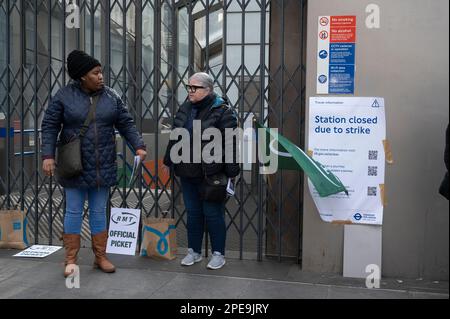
(79, 63)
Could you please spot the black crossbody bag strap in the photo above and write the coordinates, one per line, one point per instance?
(90, 116)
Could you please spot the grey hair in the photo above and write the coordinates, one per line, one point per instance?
(205, 79)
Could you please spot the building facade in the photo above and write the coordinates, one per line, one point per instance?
(262, 55)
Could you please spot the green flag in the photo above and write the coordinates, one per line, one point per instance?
(290, 156)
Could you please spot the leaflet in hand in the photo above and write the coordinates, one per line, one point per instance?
(137, 162)
(230, 187)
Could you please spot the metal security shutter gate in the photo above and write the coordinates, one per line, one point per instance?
(255, 51)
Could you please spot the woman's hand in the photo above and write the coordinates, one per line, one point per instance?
(48, 165)
(165, 169)
(142, 154)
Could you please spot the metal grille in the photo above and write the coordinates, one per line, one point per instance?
(254, 49)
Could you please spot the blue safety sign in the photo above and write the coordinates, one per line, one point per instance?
(342, 78)
(323, 54)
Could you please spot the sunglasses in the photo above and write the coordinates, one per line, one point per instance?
(194, 88)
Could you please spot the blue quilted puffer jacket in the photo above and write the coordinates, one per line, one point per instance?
(65, 114)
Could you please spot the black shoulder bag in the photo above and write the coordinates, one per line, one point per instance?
(214, 188)
(68, 158)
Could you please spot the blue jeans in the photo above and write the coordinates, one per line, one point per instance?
(199, 211)
(75, 198)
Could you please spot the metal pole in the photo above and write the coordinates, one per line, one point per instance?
(22, 112)
(157, 86)
(63, 71)
(241, 117)
(49, 44)
(224, 49)
(107, 35)
(191, 39)
(92, 28)
(207, 38)
(173, 102)
(281, 122)
(63, 44)
(106, 52)
(138, 90)
(77, 32)
(262, 72)
(124, 96)
(8, 106)
(303, 4)
(35, 98)
(224, 56)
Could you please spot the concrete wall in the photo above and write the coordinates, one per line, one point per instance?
(406, 62)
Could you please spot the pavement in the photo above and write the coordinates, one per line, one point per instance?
(144, 278)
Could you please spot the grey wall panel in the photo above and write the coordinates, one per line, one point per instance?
(406, 62)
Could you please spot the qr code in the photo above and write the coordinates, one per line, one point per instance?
(372, 171)
(373, 155)
(372, 191)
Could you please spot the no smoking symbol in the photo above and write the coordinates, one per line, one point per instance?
(323, 21)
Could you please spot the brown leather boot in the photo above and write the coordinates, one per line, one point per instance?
(72, 246)
(99, 242)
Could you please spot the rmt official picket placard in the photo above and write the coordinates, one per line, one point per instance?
(346, 135)
(123, 231)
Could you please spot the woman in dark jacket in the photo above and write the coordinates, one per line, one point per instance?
(203, 104)
(63, 119)
(444, 189)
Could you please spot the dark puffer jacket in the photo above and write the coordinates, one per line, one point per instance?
(218, 115)
(66, 113)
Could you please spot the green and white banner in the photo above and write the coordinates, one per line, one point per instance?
(290, 157)
(346, 135)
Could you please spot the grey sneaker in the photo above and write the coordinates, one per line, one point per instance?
(191, 258)
(217, 261)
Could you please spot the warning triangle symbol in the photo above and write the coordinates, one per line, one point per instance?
(375, 104)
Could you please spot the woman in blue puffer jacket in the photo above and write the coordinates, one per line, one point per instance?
(63, 119)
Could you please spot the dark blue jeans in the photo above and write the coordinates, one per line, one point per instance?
(199, 211)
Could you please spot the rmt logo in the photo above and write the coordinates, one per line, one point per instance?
(124, 219)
